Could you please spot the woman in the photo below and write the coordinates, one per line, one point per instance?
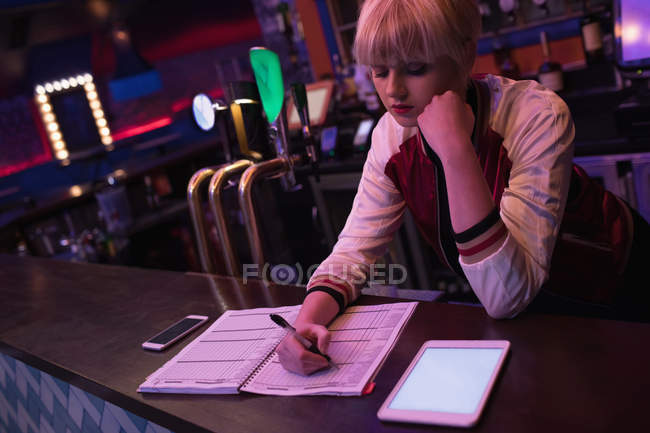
(485, 167)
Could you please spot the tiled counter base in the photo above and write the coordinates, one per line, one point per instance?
(33, 401)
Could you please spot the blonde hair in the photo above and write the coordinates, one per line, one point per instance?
(390, 31)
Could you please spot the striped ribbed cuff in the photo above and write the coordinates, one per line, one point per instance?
(483, 239)
(335, 283)
(338, 296)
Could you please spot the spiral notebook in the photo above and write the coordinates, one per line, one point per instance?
(237, 353)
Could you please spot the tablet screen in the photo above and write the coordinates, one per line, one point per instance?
(450, 380)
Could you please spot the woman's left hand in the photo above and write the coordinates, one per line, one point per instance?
(446, 122)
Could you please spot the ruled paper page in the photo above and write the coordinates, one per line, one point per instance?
(220, 359)
(362, 338)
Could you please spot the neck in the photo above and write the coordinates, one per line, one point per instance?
(467, 89)
(461, 89)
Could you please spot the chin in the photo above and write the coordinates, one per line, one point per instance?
(406, 122)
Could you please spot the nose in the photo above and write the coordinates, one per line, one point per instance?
(396, 87)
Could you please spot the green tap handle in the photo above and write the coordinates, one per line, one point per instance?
(268, 76)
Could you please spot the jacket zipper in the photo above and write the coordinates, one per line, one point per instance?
(442, 250)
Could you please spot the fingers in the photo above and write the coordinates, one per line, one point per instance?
(321, 335)
(446, 118)
(295, 358)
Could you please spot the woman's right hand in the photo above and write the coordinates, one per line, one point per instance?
(296, 358)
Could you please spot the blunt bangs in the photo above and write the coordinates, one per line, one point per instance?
(390, 32)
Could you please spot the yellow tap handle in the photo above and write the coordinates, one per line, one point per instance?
(240, 131)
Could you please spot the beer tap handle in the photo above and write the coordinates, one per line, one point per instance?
(240, 132)
(268, 76)
(299, 96)
(206, 112)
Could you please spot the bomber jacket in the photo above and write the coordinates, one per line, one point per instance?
(552, 225)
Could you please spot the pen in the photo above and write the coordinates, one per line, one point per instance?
(279, 320)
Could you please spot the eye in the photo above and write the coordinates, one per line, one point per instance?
(416, 68)
(379, 71)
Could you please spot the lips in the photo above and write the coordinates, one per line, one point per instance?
(401, 108)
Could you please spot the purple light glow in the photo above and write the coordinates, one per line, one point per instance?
(635, 29)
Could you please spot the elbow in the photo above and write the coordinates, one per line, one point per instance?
(502, 311)
(506, 285)
(508, 302)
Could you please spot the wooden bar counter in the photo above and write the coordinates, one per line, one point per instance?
(84, 324)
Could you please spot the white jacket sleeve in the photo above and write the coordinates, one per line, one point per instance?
(376, 214)
(538, 136)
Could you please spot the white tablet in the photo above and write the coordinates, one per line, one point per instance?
(448, 383)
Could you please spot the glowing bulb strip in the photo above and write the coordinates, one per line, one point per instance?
(49, 120)
(98, 113)
(42, 94)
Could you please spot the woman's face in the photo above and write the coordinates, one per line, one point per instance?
(405, 89)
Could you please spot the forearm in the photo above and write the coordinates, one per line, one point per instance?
(468, 193)
(318, 307)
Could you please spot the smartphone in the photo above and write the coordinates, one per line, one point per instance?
(175, 332)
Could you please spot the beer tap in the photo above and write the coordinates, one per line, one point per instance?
(204, 111)
(268, 76)
(270, 86)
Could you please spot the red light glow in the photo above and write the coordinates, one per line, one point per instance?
(45, 156)
(141, 129)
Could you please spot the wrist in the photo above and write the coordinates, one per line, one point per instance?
(319, 308)
(456, 152)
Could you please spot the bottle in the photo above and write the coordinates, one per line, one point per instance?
(550, 73)
(338, 76)
(486, 16)
(285, 25)
(507, 67)
(592, 38)
(365, 89)
(543, 6)
(509, 8)
(153, 201)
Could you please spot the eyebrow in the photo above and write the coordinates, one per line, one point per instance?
(417, 63)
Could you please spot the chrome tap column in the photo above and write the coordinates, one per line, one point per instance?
(217, 183)
(198, 219)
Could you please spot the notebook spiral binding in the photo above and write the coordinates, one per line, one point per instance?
(267, 358)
